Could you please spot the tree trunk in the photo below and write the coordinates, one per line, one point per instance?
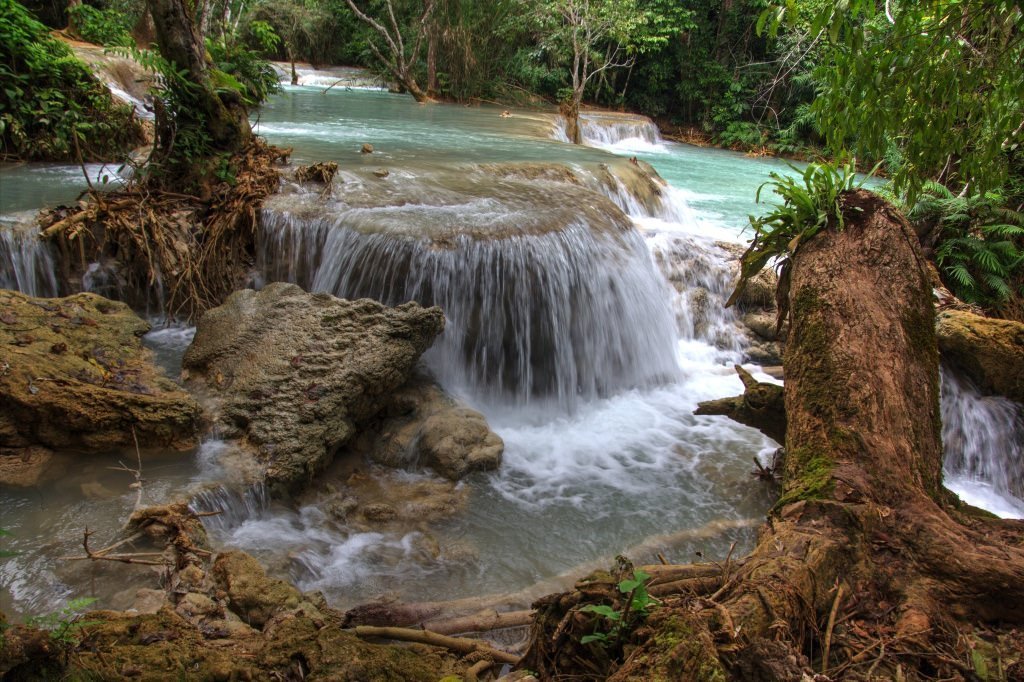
(223, 120)
(432, 59)
(570, 109)
(864, 563)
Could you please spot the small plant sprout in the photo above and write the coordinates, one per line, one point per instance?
(637, 606)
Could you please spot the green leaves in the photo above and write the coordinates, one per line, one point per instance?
(65, 625)
(810, 202)
(638, 604)
(940, 79)
(978, 250)
(101, 26)
(47, 95)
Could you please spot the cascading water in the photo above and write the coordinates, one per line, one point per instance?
(983, 438)
(617, 133)
(550, 295)
(26, 264)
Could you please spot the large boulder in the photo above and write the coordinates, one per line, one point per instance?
(75, 375)
(423, 424)
(989, 350)
(295, 373)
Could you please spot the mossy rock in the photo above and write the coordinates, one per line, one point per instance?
(74, 374)
(990, 351)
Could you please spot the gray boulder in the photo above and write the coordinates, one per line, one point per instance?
(294, 374)
(425, 425)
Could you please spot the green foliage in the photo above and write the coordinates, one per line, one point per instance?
(101, 26)
(637, 607)
(49, 102)
(65, 625)
(979, 241)
(810, 202)
(939, 79)
(241, 69)
(6, 554)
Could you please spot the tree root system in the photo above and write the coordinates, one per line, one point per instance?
(183, 252)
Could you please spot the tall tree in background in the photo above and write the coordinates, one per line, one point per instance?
(399, 56)
(595, 37)
(203, 120)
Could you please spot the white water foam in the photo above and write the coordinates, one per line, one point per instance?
(983, 438)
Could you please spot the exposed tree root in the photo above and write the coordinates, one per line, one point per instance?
(186, 252)
(761, 406)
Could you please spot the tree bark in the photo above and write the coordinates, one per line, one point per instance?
(862, 511)
(223, 120)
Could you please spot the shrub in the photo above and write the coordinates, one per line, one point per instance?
(51, 107)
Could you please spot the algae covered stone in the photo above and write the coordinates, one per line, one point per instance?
(75, 375)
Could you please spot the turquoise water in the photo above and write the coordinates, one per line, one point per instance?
(575, 489)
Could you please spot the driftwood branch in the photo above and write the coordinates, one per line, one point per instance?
(761, 406)
(460, 645)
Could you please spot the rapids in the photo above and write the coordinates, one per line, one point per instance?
(585, 319)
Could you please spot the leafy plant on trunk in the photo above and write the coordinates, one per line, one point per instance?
(810, 202)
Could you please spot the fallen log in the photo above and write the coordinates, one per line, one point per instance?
(485, 621)
(459, 645)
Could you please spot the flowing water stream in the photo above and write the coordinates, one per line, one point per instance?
(553, 265)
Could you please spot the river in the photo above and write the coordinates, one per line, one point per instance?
(595, 404)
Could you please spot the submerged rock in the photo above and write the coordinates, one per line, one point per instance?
(294, 373)
(990, 351)
(228, 622)
(74, 374)
(423, 424)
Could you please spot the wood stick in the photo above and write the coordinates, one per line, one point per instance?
(828, 629)
(485, 621)
(460, 645)
(119, 543)
(474, 671)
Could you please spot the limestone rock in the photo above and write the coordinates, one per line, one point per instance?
(424, 424)
(252, 595)
(74, 374)
(295, 372)
(989, 350)
(458, 441)
(760, 291)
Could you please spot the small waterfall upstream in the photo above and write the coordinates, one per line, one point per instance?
(617, 133)
(983, 438)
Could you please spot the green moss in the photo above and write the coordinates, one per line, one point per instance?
(678, 649)
(812, 479)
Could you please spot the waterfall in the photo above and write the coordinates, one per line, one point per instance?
(234, 506)
(344, 77)
(26, 264)
(622, 133)
(984, 444)
(560, 305)
(702, 279)
(607, 130)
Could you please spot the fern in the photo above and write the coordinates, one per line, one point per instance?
(810, 200)
(979, 250)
